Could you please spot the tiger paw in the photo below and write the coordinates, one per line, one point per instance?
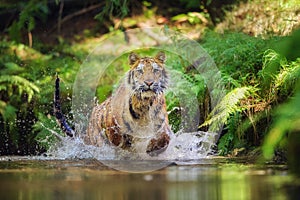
(157, 146)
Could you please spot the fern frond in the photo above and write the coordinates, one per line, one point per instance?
(22, 84)
(288, 76)
(227, 106)
(272, 56)
(272, 64)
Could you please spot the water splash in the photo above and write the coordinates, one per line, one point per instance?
(183, 147)
(190, 146)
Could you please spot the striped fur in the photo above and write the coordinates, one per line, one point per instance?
(138, 107)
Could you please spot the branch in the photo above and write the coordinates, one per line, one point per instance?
(80, 12)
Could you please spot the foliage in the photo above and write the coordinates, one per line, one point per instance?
(116, 8)
(26, 94)
(289, 47)
(278, 76)
(214, 9)
(35, 12)
(226, 143)
(286, 121)
(27, 19)
(13, 90)
(180, 98)
(258, 84)
(239, 58)
(237, 55)
(262, 18)
(11, 83)
(228, 106)
(285, 83)
(191, 17)
(47, 130)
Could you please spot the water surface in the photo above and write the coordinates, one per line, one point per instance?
(34, 178)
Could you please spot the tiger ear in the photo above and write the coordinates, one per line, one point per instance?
(161, 57)
(133, 57)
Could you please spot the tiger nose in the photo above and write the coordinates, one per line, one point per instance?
(148, 82)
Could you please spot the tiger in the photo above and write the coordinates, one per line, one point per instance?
(137, 109)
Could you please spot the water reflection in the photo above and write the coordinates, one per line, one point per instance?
(87, 179)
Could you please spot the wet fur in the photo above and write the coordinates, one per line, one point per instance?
(137, 107)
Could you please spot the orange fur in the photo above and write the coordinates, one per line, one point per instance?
(137, 106)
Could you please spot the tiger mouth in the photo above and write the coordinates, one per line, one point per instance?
(147, 90)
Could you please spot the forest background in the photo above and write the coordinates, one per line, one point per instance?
(254, 43)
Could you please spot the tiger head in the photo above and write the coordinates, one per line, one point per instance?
(147, 76)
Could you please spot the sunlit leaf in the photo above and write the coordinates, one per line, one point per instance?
(227, 106)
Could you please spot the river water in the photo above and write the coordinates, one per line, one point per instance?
(207, 178)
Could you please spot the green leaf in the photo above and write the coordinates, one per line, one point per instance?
(227, 106)
(11, 68)
(180, 17)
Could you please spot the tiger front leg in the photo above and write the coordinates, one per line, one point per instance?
(158, 145)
